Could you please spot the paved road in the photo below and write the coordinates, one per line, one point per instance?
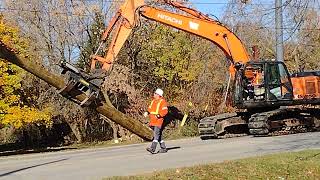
(133, 159)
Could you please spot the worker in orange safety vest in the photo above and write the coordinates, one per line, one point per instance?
(157, 109)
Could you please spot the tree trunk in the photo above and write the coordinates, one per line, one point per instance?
(76, 131)
(113, 114)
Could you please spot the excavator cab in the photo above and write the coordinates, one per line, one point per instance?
(263, 83)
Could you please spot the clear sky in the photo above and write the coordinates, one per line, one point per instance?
(217, 7)
(214, 7)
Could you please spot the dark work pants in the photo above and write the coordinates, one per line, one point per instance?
(157, 138)
(157, 133)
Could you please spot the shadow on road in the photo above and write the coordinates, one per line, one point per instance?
(25, 168)
(173, 148)
(30, 151)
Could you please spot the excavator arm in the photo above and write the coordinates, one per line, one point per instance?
(122, 24)
(119, 29)
(193, 22)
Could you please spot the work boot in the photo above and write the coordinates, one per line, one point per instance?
(152, 148)
(163, 150)
(163, 147)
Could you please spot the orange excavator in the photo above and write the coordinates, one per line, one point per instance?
(264, 92)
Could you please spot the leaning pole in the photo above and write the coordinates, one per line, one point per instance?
(113, 114)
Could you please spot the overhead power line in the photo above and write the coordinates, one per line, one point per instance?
(34, 11)
(261, 27)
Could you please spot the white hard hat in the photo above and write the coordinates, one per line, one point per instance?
(159, 92)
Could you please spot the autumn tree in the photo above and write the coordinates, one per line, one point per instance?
(59, 31)
(303, 52)
(14, 110)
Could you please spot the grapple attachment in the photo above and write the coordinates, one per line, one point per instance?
(78, 83)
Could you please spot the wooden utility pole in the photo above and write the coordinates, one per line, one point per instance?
(279, 31)
(113, 114)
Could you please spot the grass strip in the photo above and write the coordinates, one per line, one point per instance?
(290, 165)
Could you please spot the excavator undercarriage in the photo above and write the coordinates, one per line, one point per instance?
(223, 125)
(284, 121)
(270, 123)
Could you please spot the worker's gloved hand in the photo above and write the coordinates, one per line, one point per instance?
(158, 116)
(145, 114)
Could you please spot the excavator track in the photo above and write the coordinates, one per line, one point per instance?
(271, 123)
(284, 121)
(225, 125)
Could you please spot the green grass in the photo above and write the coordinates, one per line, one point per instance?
(292, 165)
(190, 129)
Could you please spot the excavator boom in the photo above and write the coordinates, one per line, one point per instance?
(213, 31)
(193, 22)
(122, 24)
